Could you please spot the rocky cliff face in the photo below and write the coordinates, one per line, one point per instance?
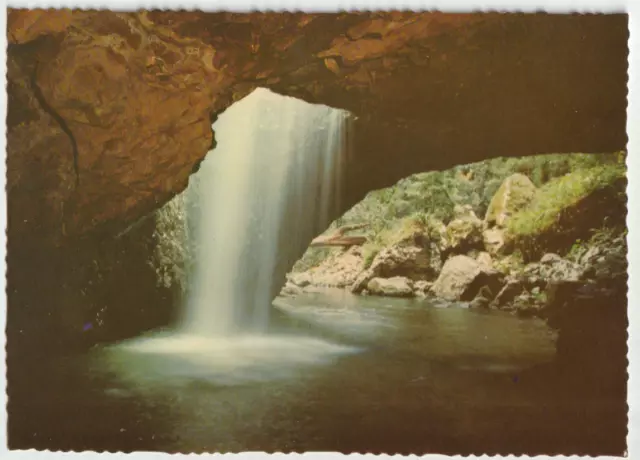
(110, 112)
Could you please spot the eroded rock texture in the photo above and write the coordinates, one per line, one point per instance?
(110, 112)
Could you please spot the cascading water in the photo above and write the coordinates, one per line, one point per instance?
(271, 185)
(265, 191)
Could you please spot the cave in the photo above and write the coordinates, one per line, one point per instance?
(112, 117)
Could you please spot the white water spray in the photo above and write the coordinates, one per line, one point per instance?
(271, 185)
(261, 195)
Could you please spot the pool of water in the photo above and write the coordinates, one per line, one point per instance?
(336, 372)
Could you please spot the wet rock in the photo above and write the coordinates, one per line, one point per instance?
(508, 293)
(422, 288)
(481, 301)
(527, 305)
(290, 290)
(397, 286)
(462, 278)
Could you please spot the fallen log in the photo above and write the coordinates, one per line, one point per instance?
(339, 241)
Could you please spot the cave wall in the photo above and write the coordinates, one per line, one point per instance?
(94, 290)
(109, 112)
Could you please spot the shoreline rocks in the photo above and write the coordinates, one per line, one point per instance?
(460, 263)
(462, 278)
(398, 286)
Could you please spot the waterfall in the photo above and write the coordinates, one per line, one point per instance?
(270, 186)
(273, 183)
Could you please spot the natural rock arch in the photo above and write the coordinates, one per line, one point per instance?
(109, 112)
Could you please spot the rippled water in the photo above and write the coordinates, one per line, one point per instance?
(336, 372)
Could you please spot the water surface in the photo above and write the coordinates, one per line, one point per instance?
(335, 373)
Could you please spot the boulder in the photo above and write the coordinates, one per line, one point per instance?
(422, 288)
(527, 305)
(508, 293)
(462, 278)
(482, 299)
(338, 270)
(494, 240)
(552, 267)
(515, 192)
(550, 259)
(480, 302)
(397, 286)
(290, 290)
(416, 257)
(484, 258)
(300, 279)
(464, 233)
(605, 260)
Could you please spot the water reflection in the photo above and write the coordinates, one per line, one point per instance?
(336, 372)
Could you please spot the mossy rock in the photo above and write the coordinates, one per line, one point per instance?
(515, 193)
(568, 209)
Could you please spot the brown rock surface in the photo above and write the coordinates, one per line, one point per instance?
(109, 112)
(462, 278)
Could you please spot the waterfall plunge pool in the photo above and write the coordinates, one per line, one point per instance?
(417, 379)
(270, 186)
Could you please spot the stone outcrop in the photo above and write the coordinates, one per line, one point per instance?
(96, 291)
(464, 232)
(508, 293)
(338, 270)
(514, 194)
(551, 267)
(463, 277)
(416, 257)
(397, 286)
(109, 112)
(422, 288)
(603, 205)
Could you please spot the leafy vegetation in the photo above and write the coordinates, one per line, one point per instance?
(559, 216)
(432, 196)
(562, 193)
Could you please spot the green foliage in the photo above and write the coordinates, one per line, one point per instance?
(173, 256)
(540, 297)
(312, 258)
(576, 250)
(369, 252)
(559, 194)
(428, 197)
(519, 190)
